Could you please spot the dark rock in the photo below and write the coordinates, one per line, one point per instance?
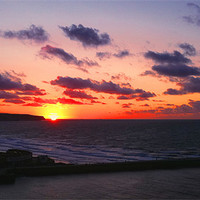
(16, 157)
(44, 160)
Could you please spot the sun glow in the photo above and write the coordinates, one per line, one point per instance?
(53, 116)
(55, 112)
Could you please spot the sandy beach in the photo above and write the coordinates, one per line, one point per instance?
(153, 184)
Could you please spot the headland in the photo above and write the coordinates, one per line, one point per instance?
(19, 117)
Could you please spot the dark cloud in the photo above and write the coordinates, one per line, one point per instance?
(78, 94)
(8, 95)
(177, 70)
(188, 49)
(182, 109)
(33, 33)
(146, 105)
(122, 76)
(149, 73)
(193, 107)
(103, 55)
(15, 101)
(172, 91)
(93, 101)
(9, 82)
(125, 84)
(172, 65)
(190, 85)
(119, 54)
(145, 96)
(6, 83)
(194, 18)
(49, 52)
(139, 95)
(127, 105)
(123, 97)
(167, 58)
(152, 111)
(195, 104)
(89, 37)
(104, 87)
(157, 100)
(122, 54)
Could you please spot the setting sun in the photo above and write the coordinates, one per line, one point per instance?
(53, 116)
(54, 112)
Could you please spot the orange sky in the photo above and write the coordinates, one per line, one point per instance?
(119, 60)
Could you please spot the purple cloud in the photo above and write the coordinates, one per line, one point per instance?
(78, 94)
(89, 37)
(194, 18)
(177, 70)
(33, 33)
(104, 87)
(188, 49)
(8, 95)
(190, 85)
(8, 82)
(49, 52)
(122, 54)
(139, 95)
(167, 58)
(107, 55)
(15, 101)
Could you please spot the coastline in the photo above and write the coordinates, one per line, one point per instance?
(20, 117)
(21, 163)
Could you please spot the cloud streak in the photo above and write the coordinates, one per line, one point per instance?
(68, 58)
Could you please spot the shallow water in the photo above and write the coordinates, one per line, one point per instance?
(161, 184)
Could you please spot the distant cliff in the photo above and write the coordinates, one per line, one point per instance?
(19, 117)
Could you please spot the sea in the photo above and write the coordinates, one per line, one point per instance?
(103, 141)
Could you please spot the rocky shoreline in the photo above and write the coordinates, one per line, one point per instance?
(15, 163)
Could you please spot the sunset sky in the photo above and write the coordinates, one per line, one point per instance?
(100, 60)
